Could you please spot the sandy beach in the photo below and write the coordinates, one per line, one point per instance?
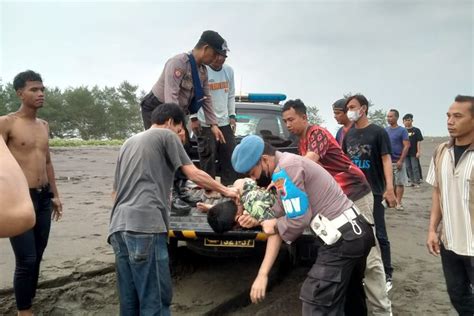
(77, 270)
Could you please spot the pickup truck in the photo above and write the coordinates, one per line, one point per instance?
(260, 118)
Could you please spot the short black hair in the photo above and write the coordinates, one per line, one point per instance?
(408, 116)
(397, 114)
(19, 82)
(361, 99)
(268, 149)
(297, 104)
(166, 111)
(221, 217)
(466, 98)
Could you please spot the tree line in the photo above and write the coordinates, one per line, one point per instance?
(83, 112)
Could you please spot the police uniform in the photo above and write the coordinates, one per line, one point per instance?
(175, 85)
(305, 193)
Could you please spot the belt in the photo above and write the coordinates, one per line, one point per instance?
(348, 216)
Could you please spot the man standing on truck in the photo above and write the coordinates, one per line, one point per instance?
(222, 88)
(184, 81)
(317, 144)
(139, 222)
(309, 196)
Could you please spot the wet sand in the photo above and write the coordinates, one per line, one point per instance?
(77, 273)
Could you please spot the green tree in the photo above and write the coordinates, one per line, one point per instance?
(313, 115)
(378, 117)
(87, 113)
(9, 101)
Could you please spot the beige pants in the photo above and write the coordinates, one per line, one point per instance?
(378, 302)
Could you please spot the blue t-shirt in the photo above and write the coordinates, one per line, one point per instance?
(397, 135)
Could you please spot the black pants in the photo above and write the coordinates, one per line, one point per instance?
(210, 150)
(335, 280)
(29, 247)
(459, 274)
(382, 236)
(147, 105)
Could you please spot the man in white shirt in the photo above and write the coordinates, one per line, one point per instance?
(222, 89)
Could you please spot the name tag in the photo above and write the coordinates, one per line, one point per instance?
(295, 202)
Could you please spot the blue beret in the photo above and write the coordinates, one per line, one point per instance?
(247, 153)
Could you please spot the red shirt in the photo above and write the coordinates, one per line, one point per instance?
(351, 179)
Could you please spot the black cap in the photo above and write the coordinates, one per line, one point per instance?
(216, 41)
(340, 105)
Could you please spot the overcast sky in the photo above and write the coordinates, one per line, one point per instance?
(414, 56)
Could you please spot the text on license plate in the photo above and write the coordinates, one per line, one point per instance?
(248, 243)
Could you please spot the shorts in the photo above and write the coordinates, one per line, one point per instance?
(400, 175)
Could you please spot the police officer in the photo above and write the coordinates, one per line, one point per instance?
(309, 196)
(178, 82)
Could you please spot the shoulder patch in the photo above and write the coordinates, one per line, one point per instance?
(178, 73)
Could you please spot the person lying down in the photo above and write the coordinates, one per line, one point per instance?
(255, 201)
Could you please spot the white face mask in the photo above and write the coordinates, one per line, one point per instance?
(353, 116)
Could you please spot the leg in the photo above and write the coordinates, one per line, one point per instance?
(382, 237)
(337, 275)
(207, 151)
(458, 273)
(147, 105)
(149, 264)
(25, 266)
(129, 304)
(377, 297)
(415, 162)
(399, 190)
(409, 166)
(224, 152)
(41, 230)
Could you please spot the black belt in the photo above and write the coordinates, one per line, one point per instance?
(45, 189)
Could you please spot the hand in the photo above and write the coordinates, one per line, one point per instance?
(259, 287)
(218, 134)
(203, 207)
(268, 226)
(196, 127)
(399, 164)
(57, 209)
(247, 221)
(233, 124)
(433, 243)
(232, 193)
(389, 196)
(418, 154)
(182, 136)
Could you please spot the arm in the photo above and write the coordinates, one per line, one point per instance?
(406, 147)
(312, 155)
(231, 100)
(435, 218)
(173, 74)
(418, 149)
(259, 286)
(206, 181)
(57, 205)
(389, 194)
(16, 209)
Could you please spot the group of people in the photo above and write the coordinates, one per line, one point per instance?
(335, 186)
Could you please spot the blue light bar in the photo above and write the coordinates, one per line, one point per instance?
(261, 97)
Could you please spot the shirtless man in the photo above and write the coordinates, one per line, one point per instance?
(27, 139)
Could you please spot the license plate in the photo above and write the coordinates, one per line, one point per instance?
(248, 243)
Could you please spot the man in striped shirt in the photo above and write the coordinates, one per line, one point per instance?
(451, 174)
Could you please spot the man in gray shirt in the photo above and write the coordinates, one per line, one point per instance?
(138, 230)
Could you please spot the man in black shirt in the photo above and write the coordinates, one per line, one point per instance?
(413, 156)
(368, 146)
